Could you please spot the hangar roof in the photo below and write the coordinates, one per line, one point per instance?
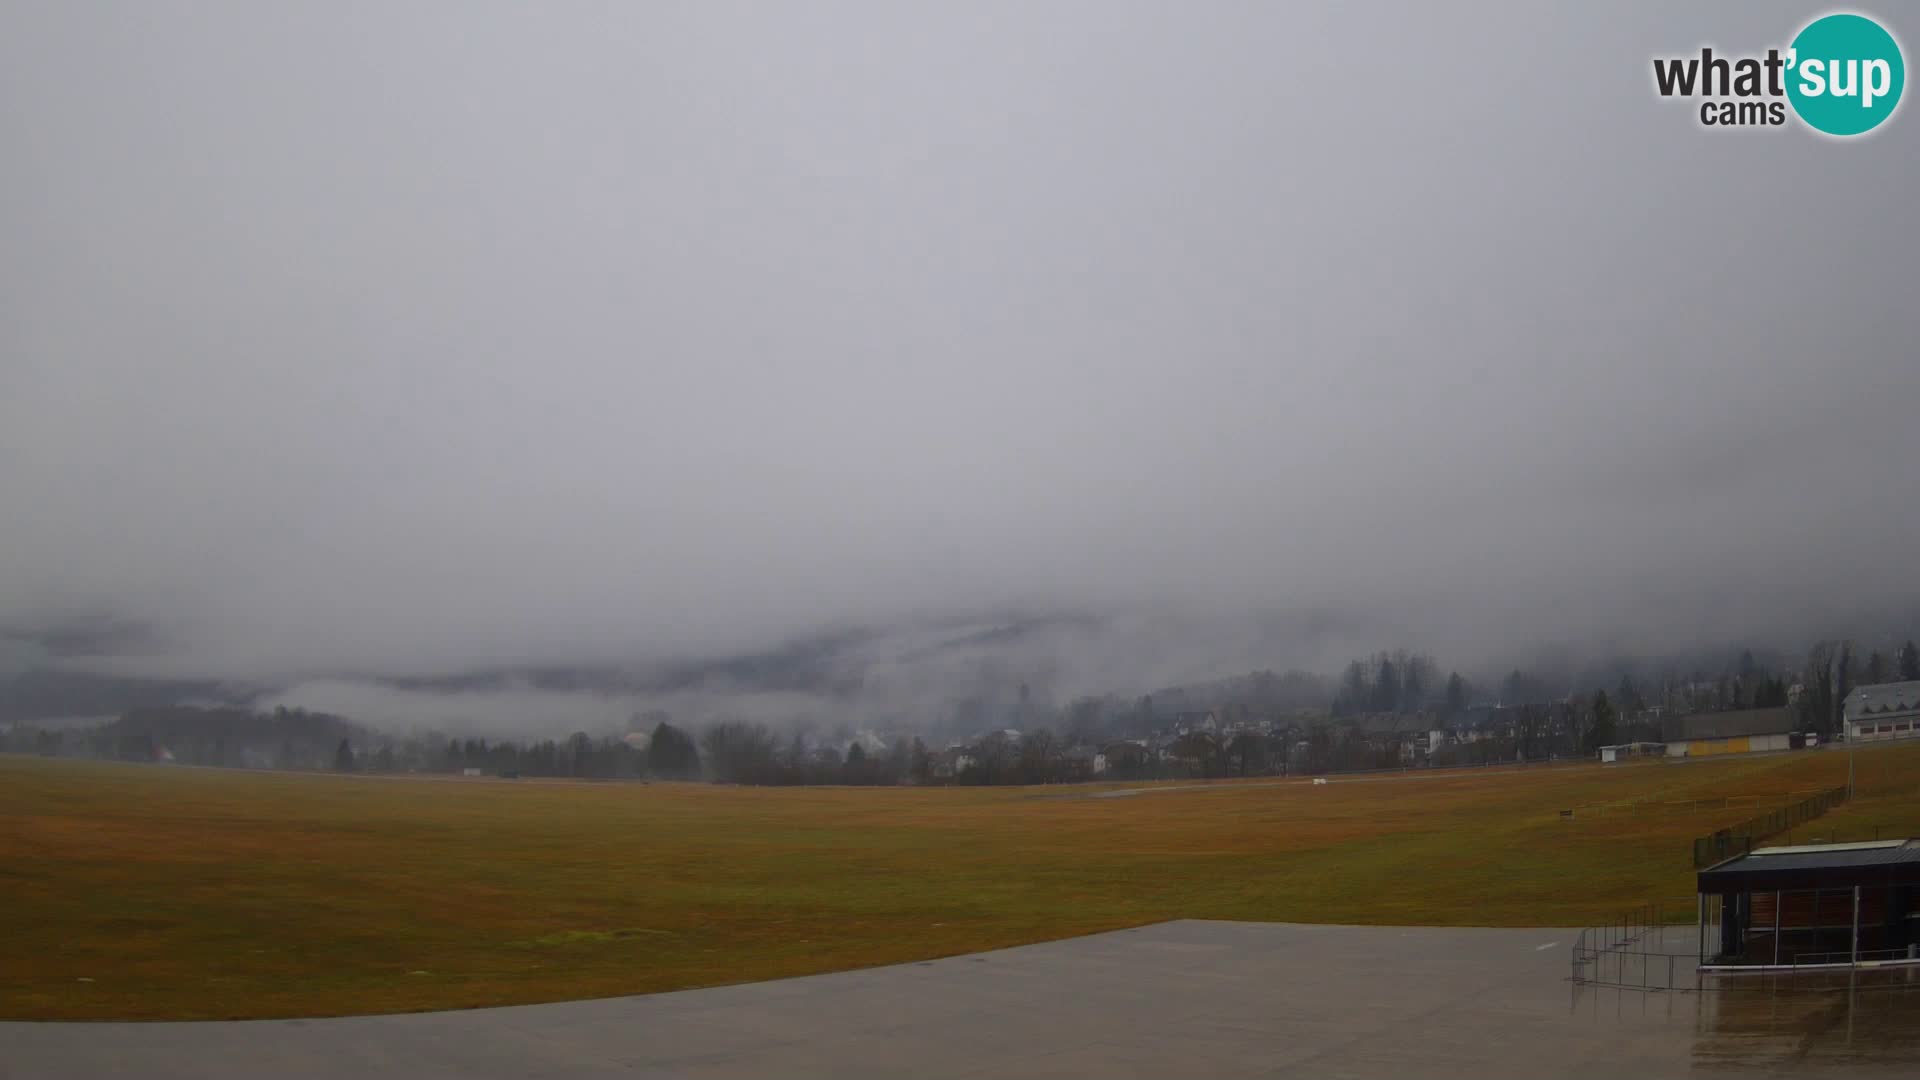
(1809, 866)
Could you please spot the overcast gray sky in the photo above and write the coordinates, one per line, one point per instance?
(400, 337)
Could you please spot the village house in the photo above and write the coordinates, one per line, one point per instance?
(951, 762)
(1885, 711)
(1123, 755)
(1201, 720)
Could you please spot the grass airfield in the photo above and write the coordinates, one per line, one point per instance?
(146, 892)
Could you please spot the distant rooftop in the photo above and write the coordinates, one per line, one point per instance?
(1727, 725)
(1883, 698)
(1805, 849)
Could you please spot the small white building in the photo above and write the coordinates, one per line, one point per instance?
(1885, 711)
(1623, 751)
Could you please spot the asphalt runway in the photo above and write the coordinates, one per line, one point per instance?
(1178, 999)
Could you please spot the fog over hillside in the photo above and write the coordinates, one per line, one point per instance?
(741, 362)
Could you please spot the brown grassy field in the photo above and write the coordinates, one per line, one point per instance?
(154, 892)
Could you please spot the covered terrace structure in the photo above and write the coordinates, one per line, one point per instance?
(1816, 905)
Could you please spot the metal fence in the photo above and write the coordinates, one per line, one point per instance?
(1739, 839)
(1675, 946)
(1678, 807)
(1642, 949)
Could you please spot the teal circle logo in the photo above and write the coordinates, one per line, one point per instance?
(1845, 74)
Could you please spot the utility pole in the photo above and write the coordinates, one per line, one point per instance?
(1850, 747)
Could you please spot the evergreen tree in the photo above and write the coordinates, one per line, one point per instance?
(343, 758)
(671, 753)
(1909, 662)
(1603, 731)
(1386, 686)
(1353, 690)
(1627, 697)
(1876, 671)
(1413, 685)
(1520, 689)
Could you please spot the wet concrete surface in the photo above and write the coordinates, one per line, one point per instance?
(1178, 999)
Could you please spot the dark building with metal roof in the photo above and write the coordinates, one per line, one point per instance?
(1738, 732)
(1813, 905)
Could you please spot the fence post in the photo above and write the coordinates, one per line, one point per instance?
(1854, 961)
(1776, 928)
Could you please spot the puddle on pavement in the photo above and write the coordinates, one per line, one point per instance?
(1805, 1024)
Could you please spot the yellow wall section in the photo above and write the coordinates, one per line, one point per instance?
(1704, 747)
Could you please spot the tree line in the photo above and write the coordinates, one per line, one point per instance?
(1253, 732)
